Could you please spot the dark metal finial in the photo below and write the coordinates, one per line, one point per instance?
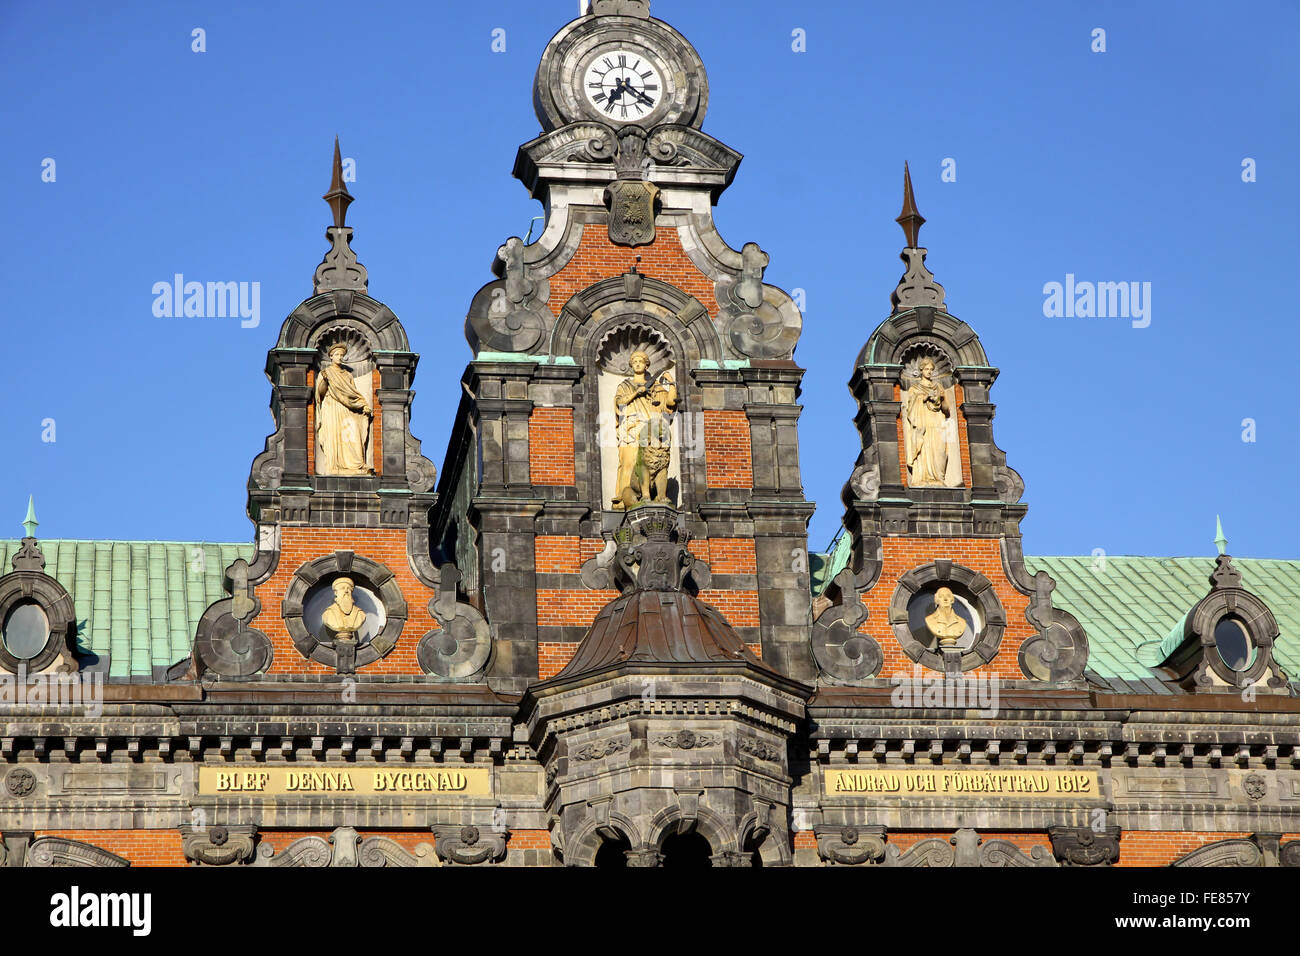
(909, 218)
(338, 197)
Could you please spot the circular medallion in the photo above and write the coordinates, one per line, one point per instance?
(20, 782)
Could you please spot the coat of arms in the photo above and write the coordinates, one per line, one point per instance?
(631, 205)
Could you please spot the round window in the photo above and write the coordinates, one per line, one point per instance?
(944, 615)
(26, 630)
(1234, 644)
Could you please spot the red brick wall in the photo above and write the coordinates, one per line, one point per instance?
(979, 554)
(728, 461)
(387, 546)
(141, 847)
(597, 258)
(311, 422)
(575, 608)
(530, 840)
(550, 446)
(1159, 848)
(552, 656)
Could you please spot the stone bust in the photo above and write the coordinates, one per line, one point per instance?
(945, 623)
(343, 617)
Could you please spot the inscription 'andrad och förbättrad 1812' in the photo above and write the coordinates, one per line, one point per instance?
(1014, 783)
(348, 782)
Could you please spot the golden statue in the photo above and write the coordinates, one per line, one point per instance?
(343, 617)
(926, 434)
(645, 406)
(945, 623)
(343, 419)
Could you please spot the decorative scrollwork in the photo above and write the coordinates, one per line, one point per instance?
(469, 846)
(843, 655)
(459, 649)
(58, 851)
(600, 749)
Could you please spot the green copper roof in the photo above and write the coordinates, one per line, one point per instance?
(1128, 606)
(138, 602)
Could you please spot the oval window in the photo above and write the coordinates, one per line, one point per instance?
(1233, 641)
(26, 630)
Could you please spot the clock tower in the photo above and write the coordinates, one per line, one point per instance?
(629, 357)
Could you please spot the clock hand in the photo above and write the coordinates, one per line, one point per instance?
(627, 85)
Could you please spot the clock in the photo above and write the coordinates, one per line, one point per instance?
(624, 85)
(620, 70)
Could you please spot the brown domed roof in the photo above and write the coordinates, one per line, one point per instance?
(659, 627)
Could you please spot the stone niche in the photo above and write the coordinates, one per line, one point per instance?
(349, 350)
(649, 422)
(930, 439)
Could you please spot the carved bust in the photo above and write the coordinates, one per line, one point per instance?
(945, 623)
(343, 617)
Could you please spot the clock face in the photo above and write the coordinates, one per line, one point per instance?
(623, 85)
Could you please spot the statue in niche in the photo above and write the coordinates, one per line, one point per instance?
(343, 419)
(343, 617)
(945, 623)
(928, 429)
(644, 404)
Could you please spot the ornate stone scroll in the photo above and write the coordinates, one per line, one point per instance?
(58, 851)
(469, 846)
(511, 314)
(459, 649)
(843, 655)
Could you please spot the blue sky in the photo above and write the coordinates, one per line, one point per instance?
(1117, 166)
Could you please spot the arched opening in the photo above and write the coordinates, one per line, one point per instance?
(613, 853)
(687, 850)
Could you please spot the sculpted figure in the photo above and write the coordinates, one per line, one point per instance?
(926, 434)
(945, 623)
(645, 406)
(343, 418)
(343, 617)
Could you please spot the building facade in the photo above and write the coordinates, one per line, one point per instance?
(596, 634)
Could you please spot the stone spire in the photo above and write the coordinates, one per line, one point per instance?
(340, 269)
(29, 557)
(338, 197)
(917, 287)
(30, 522)
(910, 219)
